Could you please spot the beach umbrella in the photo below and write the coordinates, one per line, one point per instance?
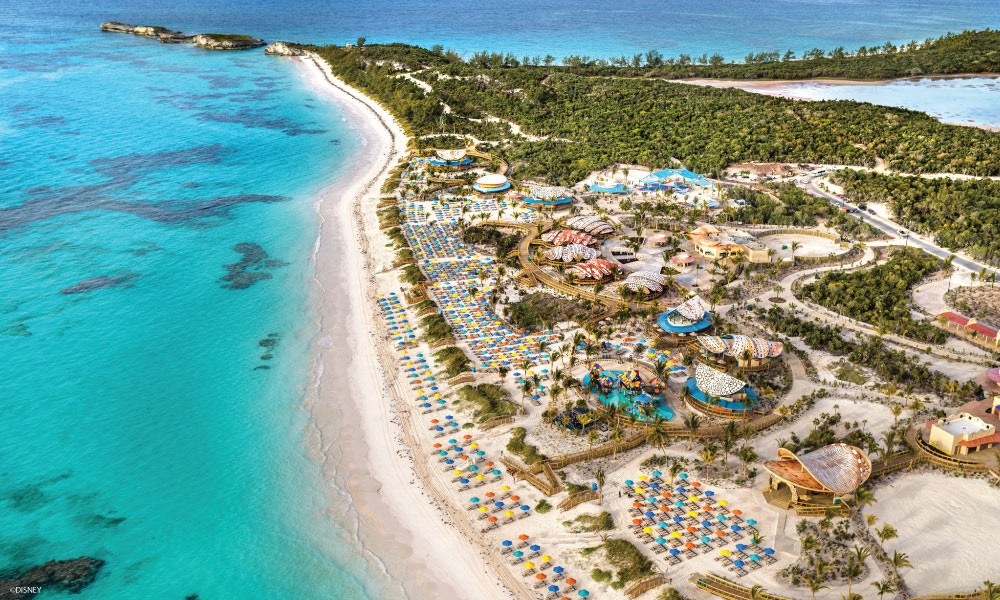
(654, 485)
(678, 519)
(769, 551)
(508, 513)
(683, 475)
(546, 558)
(706, 523)
(741, 547)
(525, 507)
(583, 593)
(637, 504)
(474, 499)
(540, 576)
(720, 533)
(656, 473)
(675, 551)
(553, 588)
(721, 517)
(681, 490)
(678, 504)
(647, 530)
(490, 495)
(518, 554)
(693, 498)
(751, 522)
(706, 508)
(739, 563)
(676, 534)
(463, 481)
(492, 519)
(529, 565)
(506, 543)
(650, 514)
(643, 478)
(661, 540)
(535, 548)
(570, 581)
(637, 521)
(505, 488)
(483, 509)
(662, 524)
(691, 529)
(723, 503)
(709, 493)
(705, 539)
(755, 557)
(689, 546)
(736, 528)
(725, 552)
(692, 513)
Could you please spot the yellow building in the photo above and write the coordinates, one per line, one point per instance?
(715, 244)
(962, 433)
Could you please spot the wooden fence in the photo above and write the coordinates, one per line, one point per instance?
(639, 586)
(496, 422)
(724, 588)
(576, 499)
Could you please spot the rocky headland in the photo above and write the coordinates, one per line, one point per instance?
(209, 41)
(68, 575)
(284, 49)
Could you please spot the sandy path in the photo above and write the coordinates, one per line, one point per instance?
(363, 427)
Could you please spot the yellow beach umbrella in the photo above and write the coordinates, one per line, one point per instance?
(723, 502)
(529, 565)
(643, 478)
(508, 513)
(483, 509)
(505, 488)
(546, 558)
(480, 476)
(647, 530)
(725, 552)
(675, 534)
(458, 471)
(638, 490)
(692, 513)
(473, 445)
(693, 498)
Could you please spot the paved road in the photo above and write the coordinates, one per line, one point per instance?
(893, 229)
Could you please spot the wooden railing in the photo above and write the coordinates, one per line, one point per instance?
(462, 378)
(448, 341)
(732, 591)
(576, 499)
(645, 584)
(977, 595)
(496, 422)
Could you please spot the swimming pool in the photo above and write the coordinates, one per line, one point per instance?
(622, 399)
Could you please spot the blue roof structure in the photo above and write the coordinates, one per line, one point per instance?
(482, 190)
(664, 322)
(560, 201)
(748, 404)
(437, 162)
(618, 189)
(691, 176)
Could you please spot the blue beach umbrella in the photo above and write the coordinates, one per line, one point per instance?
(498, 504)
(683, 475)
(558, 569)
(518, 554)
(535, 548)
(525, 507)
(675, 551)
(755, 557)
(678, 519)
(736, 528)
(463, 481)
(661, 541)
(705, 539)
(629, 482)
(751, 522)
(474, 499)
(650, 514)
(583, 593)
(769, 551)
(741, 547)
(739, 563)
(553, 588)
(656, 473)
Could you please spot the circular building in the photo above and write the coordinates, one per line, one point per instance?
(815, 481)
(645, 282)
(719, 394)
(686, 320)
(491, 184)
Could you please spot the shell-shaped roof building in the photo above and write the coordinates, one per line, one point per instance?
(591, 225)
(837, 468)
(715, 382)
(736, 346)
(647, 281)
(560, 237)
(571, 253)
(594, 270)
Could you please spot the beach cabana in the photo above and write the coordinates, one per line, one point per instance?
(740, 351)
(820, 478)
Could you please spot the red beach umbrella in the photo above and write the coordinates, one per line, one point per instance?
(570, 581)
(689, 546)
(523, 537)
(637, 521)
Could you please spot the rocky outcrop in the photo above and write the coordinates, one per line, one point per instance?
(69, 575)
(284, 49)
(210, 41)
(220, 41)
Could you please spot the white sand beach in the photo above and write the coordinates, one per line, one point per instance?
(360, 437)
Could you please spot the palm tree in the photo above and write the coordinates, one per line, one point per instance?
(502, 371)
(599, 476)
(870, 520)
(692, 423)
(728, 444)
(991, 591)
(882, 587)
(747, 455)
(886, 533)
(815, 584)
(899, 561)
(857, 558)
(657, 435)
(756, 592)
(709, 455)
(897, 409)
(674, 471)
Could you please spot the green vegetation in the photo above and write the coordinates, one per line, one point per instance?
(601, 576)
(851, 374)
(824, 433)
(629, 561)
(796, 207)
(961, 214)
(543, 506)
(526, 452)
(454, 360)
(542, 310)
(880, 295)
(489, 401)
(893, 366)
(647, 121)
(503, 243)
(591, 523)
(435, 327)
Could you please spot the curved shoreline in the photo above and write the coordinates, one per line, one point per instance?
(365, 440)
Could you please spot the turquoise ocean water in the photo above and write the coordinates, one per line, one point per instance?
(155, 229)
